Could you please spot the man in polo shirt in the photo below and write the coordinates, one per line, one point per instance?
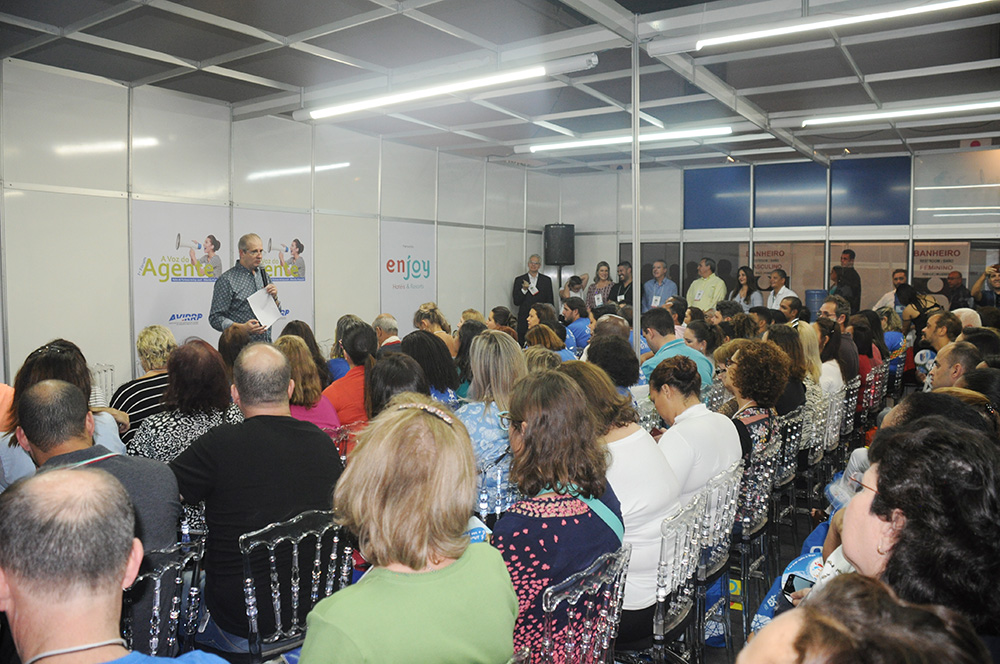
(574, 311)
(229, 299)
(708, 288)
(657, 290)
(779, 289)
(658, 328)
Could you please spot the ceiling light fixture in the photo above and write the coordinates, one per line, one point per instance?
(673, 45)
(902, 113)
(564, 66)
(621, 140)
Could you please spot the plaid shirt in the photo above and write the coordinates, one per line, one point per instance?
(229, 300)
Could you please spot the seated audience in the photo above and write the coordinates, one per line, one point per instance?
(969, 317)
(302, 330)
(810, 350)
(892, 336)
(693, 313)
(704, 338)
(430, 595)
(430, 319)
(431, 353)
(617, 358)
(393, 374)
(347, 394)
(833, 375)
(542, 335)
(727, 309)
(985, 339)
(471, 314)
(857, 619)
(658, 329)
(979, 401)
(762, 317)
(338, 364)
(466, 333)
(197, 400)
(58, 360)
(927, 519)
(268, 468)
(952, 362)
(787, 339)
(232, 341)
(142, 397)
(539, 358)
(68, 607)
(577, 318)
(307, 402)
(500, 317)
(647, 489)
(571, 515)
(497, 364)
(868, 357)
(387, 333)
(699, 444)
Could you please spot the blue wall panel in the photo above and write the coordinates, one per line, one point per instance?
(870, 192)
(717, 197)
(789, 195)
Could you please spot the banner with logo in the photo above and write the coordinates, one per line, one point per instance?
(288, 258)
(178, 250)
(406, 272)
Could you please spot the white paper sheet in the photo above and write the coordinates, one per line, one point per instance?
(264, 307)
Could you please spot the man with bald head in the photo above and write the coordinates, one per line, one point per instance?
(67, 608)
(268, 468)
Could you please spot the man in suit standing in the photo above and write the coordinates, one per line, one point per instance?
(529, 290)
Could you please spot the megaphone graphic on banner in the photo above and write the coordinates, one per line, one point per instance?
(186, 244)
(280, 246)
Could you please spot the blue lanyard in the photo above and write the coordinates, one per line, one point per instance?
(596, 506)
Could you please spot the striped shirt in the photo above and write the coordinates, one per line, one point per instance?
(140, 398)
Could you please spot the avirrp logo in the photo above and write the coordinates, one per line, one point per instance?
(180, 319)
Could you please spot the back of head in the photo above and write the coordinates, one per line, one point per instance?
(232, 342)
(787, 339)
(66, 533)
(980, 403)
(985, 339)
(539, 358)
(965, 354)
(710, 334)
(301, 329)
(154, 345)
(659, 320)
(678, 307)
(694, 313)
(560, 447)
(944, 480)
(893, 323)
(345, 324)
(467, 332)
(862, 335)
(616, 357)
(429, 313)
(612, 325)
(473, 314)
(393, 374)
(502, 316)
(854, 618)
(360, 344)
(544, 336)
(603, 310)
(52, 412)
(810, 350)
(990, 317)
(198, 381)
(761, 372)
(918, 405)
(433, 356)
(261, 375)
(307, 389)
(984, 381)
(680, 373)
(58, 360)
(744, 326)
(546, 313)
(386, 323)
(969, 317)
(724, 353)
(611, 409)
(497, 363)
(907, 295)
(762, 313)
(728, 308)
(509, 331)
(415, 453)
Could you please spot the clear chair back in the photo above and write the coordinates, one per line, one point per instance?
(758, 479)
(790, 428)
(850, 405)
(680, 552)
(835, 417)
(814, 422)
(721, 497)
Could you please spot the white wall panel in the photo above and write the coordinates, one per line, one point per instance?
(407, 181)
(271, 159)
(590, 250)
(349, 272)
(67, 272)
(661, 202)
(460, 271)
(460, 189)
(63, 130)
(504, 196)
(180, 146)
(543, 200)
(590, 202)
(505, 259)
(352, 188)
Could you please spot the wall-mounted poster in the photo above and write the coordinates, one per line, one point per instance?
(288, 258)
(178, 250)
(406, 272)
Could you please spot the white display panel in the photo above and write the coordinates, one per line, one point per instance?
(63, 130)
(590, 202)
(180, 146)
(590, 250)
(504, 196)
(68, 276)
(271, 163)
(460, 189)
(347, 271)
(346, 175)
(957, 188)
(543, 200)
(407, 270)
(505, 259)
(460, 271)
(408, 176)
(661, 202)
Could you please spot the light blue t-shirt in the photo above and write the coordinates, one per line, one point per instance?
(678, 347)
(581, 331)
(489, 443)
(193, 657)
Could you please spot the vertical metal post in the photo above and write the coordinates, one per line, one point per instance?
(636, 264)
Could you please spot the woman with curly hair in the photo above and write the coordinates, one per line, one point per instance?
(926, 519)
(645, 485)
(570, 515)
(430, 319)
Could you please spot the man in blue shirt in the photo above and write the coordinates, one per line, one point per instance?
(658, 328)
(574, 312)
(656, 291)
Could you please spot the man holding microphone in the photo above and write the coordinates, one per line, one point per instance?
(235, 285)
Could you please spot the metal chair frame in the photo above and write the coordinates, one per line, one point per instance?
(315, 525)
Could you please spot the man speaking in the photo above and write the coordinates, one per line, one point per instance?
(229, 300)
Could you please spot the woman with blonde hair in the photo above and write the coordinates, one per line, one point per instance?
(430, 319)
(307, 402)
(810, 349)
(497, 363)
(430, 596)
(143, 396)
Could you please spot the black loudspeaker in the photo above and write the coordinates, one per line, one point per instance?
(560, 244)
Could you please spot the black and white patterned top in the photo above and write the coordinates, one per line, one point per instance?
(140, 398)
(229, 299)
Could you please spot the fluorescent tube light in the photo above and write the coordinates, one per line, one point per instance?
(553, 68)
(836, 22)
(295, 170)
(956, 186)
(104, 147)
(908, 113)
(620, 140)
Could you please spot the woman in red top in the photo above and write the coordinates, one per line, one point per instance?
(347, 394)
